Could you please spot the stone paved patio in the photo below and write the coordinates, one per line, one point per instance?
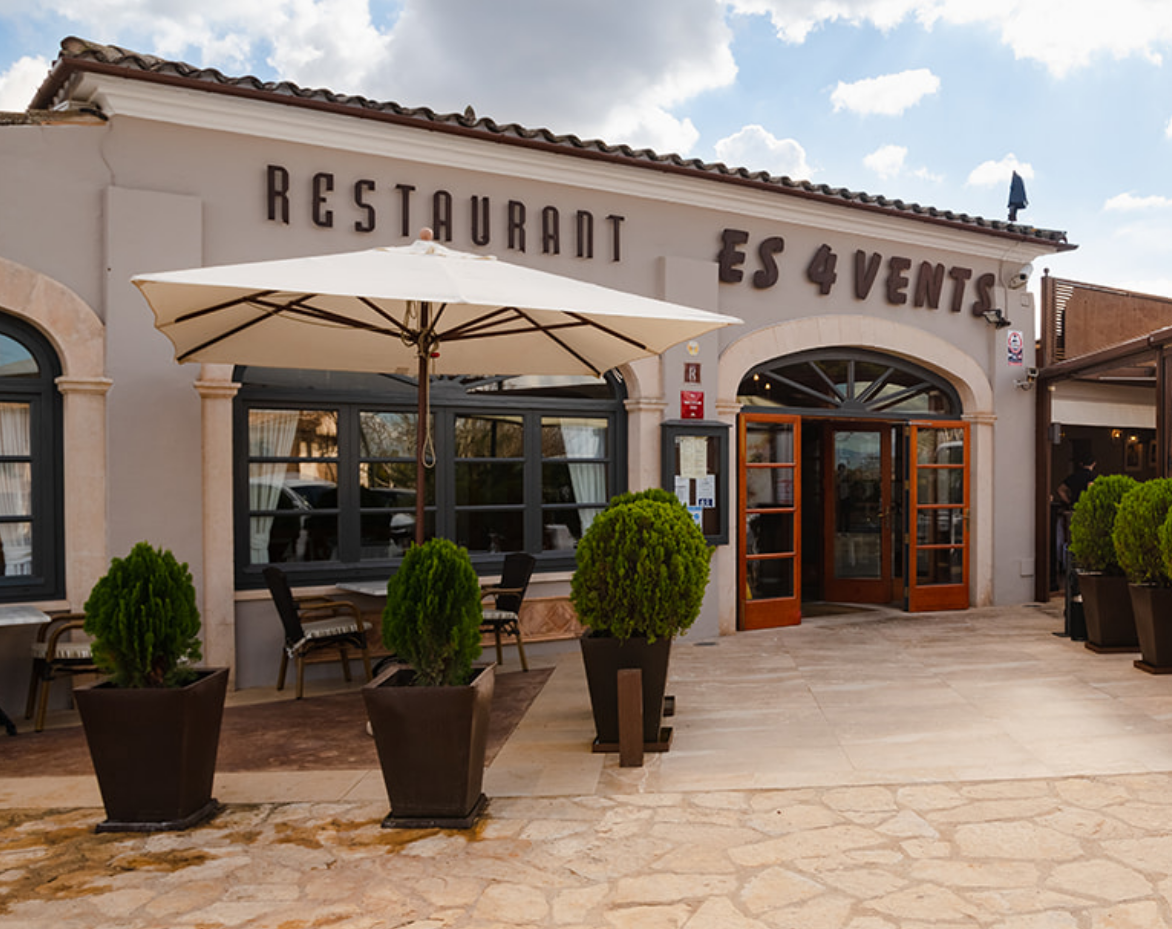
(1070, 828)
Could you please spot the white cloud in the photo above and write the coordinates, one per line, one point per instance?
(888, 95)
(890, 162)
(20, 82)
(996, 173)
(887, 161)
(758, 150)
(1129, 202)
(614, 69)
(1062, 37)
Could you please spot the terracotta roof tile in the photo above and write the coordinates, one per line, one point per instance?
(80, 55)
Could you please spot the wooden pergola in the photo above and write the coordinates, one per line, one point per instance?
(1144, 360)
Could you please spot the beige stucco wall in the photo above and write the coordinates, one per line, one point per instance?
(176, 179)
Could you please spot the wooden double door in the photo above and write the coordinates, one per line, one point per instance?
(850, 512)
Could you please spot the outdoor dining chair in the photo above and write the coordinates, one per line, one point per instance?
(503, 617)
(57, 654)
(314, 625)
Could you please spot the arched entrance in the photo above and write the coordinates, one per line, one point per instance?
(854, 486)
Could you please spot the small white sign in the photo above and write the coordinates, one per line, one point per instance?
(706, 491)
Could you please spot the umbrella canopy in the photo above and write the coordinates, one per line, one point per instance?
(414, 309)
(376, 310)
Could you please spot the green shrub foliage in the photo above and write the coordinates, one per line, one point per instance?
(144, 621)
(1092, 523)
(642, 568)
(1141, 513)
(432, 616)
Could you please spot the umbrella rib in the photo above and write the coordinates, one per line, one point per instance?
(238, 301)
(613, 333)
(270, 310)
(560, 342)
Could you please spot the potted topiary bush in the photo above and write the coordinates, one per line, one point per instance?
(1102, 582)
(642, 569)
(430, 719)
(1138, 524)
(153, 727)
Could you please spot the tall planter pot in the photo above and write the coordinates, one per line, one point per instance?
(1106, 604)
(154, 751)
(1152, 607)
(431, 746)
(603, 657)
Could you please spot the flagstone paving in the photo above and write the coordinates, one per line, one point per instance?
(870, 842)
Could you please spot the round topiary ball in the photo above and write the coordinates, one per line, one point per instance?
(642, 568)
(1141, 513)
(1092, 523)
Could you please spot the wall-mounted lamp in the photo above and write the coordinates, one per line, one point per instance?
(1116, 435)
(996, 318)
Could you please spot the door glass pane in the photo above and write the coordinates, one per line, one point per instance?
(770, 578)
(940, 446)
(943, 526)
(769, 443)
(858, 503)
(940, 486)
(769, 487)
(939, 566)
(769, 533)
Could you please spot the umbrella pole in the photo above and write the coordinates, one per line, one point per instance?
(420, 444)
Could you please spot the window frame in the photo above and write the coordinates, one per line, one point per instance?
(46, 456)
(853, 407)
(446, 405)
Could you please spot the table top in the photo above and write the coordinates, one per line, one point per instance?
(21, 615)
(371, 588)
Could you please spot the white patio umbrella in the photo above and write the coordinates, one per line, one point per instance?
(421, 309)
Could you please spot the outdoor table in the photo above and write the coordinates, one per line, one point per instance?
(18, 615)
(374, 588)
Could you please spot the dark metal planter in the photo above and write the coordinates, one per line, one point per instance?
(603, 658)
(154, 751)
(1152, 607)
(1107, 608)
(431, 746)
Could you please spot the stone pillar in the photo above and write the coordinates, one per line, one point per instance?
(217, 391)
(981, 507)
(725, 562)
(83, 403)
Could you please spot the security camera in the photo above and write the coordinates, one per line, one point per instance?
(1018, 277)
(1027, 382)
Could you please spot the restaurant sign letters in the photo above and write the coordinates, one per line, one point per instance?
(930, 284)
(362, 204)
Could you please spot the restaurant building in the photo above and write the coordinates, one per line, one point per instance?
(866, 436)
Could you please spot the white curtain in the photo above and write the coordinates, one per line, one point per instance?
(270, 433)
(586, 438)
(15, 488)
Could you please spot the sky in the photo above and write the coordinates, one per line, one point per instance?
(935, 102)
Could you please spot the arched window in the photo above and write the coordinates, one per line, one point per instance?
(31, 539)
(326, 473)
(849, 383)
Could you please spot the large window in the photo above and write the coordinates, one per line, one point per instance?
(327, 478)
(31, 550)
